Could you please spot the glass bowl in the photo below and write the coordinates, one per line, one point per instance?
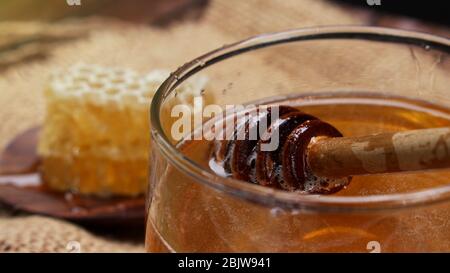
(192, 209)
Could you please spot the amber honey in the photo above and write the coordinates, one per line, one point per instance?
(185, 215)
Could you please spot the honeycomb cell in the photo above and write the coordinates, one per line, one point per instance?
(95, 137)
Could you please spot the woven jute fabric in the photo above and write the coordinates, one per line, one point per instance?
(42, 234)
(141, 48)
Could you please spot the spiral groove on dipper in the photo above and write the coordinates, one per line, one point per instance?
(285, 167)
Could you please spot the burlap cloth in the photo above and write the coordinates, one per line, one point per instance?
(141, 48)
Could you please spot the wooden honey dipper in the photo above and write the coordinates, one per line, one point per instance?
(314, 157)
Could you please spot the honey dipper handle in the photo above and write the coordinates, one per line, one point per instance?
(381, 153)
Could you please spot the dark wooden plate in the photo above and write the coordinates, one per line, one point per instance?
(22, 189)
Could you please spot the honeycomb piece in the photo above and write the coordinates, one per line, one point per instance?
(95, 137)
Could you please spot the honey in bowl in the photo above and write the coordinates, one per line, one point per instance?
(211, 220)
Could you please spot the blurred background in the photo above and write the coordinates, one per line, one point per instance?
(26, 23)
(154, 11)
(38, 36)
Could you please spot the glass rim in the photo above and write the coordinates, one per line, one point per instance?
(278, 198)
